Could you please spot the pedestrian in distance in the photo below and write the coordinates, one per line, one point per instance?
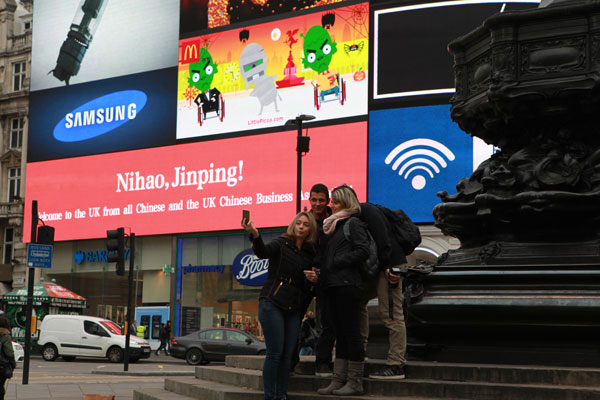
(7, 358)
(282, 299)
(140, 331)
(132, 330)
(168, 337)
(341, 279)
(308, 335)
(162, 335)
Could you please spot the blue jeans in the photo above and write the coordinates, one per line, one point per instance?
(281, 334)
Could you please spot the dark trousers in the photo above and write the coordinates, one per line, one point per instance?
(324, 347)
(163, 344)
(344, 313)
(2, 390)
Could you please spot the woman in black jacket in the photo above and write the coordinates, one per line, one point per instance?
(291, 259)
(340, 277)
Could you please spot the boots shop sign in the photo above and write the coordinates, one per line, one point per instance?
(250, 270)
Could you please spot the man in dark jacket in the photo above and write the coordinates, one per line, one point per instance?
(168, 337)
(384, 286)
(319, 203)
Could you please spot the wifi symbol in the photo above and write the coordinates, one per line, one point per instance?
(419, 157)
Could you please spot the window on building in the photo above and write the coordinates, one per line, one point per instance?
(16, 133)
(9, 234)
(18, 76)
(27, 26)
(14, 183)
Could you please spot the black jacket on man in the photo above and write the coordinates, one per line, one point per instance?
(340, 259)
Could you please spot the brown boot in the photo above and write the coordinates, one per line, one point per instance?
(340, 371)
(354, 384)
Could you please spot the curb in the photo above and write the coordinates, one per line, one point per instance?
(148, 373)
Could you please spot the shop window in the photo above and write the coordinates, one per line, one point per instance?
(18, 76)
(8, 245)
(14, 183)
(16, 133)
(211, 296)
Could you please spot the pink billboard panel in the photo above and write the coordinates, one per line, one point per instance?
(194, 187)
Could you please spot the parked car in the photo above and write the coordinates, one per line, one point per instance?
(19, 351)
(70, 336)
(213, 344)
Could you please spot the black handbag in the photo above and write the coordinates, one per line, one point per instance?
(283, 293)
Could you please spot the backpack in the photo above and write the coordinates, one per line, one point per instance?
(370, 267)
(404, 232)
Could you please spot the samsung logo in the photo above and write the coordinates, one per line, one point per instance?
(100, 116)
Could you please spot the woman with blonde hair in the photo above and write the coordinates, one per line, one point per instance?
(341, 279)
(284, 296)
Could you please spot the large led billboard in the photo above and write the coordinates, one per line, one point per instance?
(411, 63)
(200, 14)
(103, 77)
(193, 187)
(123, 37)
(258, 76)
(416, 152)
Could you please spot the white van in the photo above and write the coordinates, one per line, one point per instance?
(73, 336)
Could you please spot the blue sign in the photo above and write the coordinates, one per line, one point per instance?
(188, 269)
(99, 116)
(39, 255)
(414, 153)
(250, 270)
(95, 256)
(108, 115)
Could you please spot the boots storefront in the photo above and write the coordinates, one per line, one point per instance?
(218, 279)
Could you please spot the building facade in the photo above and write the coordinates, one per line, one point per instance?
(15, 67)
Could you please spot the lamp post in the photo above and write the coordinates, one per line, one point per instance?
(302, 144)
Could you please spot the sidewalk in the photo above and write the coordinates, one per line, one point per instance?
(70, 381)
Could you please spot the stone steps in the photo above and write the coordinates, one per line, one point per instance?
(241, 379)
(490, 373)
(186, 388)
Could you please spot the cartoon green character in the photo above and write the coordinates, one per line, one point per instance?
(202, 73)
(319, 49)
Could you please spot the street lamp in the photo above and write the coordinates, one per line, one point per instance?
(301, 147)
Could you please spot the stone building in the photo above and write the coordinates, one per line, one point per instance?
(15, 67)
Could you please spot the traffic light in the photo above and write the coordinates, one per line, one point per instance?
(115, 245)
(45, 234)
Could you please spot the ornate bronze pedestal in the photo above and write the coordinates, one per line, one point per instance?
(525, 284)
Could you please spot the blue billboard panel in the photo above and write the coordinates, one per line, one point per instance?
(124, 113)
(415, 153)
